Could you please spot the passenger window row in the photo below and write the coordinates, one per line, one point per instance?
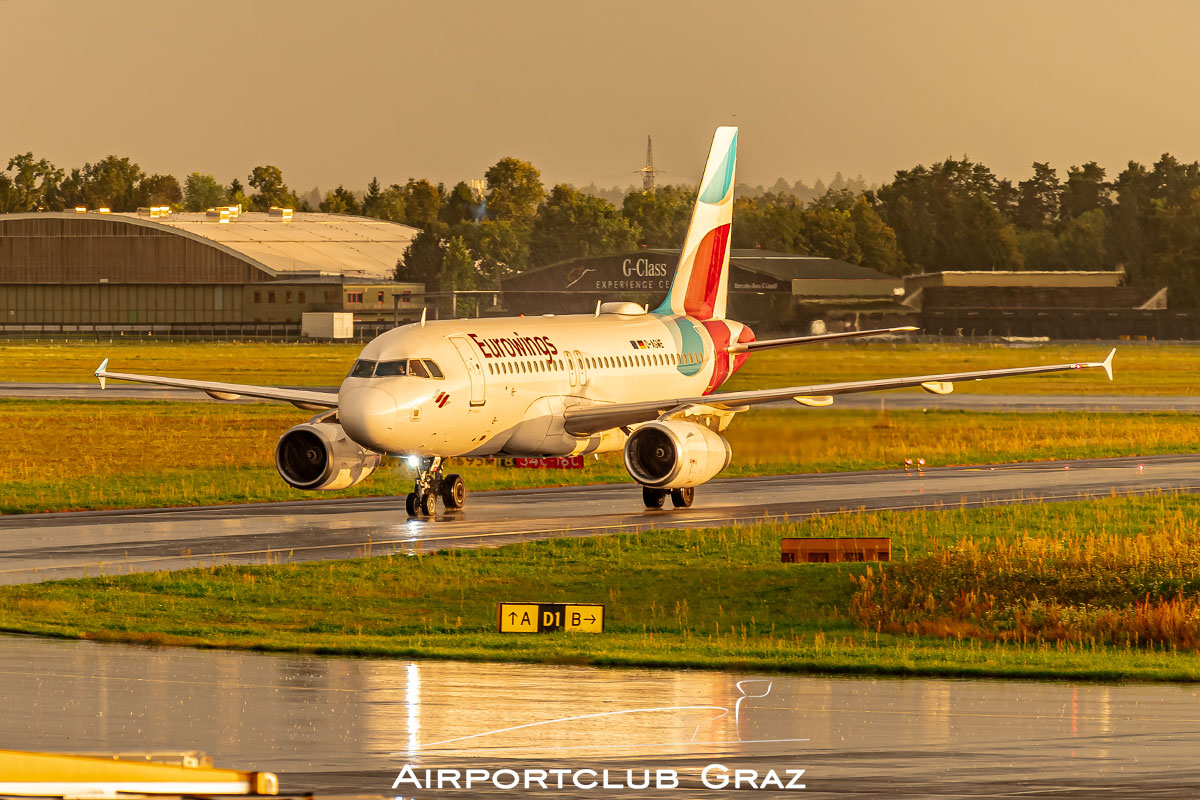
(594, 362)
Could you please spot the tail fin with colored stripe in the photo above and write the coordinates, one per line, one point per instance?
(701, 282)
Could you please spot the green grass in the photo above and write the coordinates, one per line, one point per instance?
(715, 598)
(1160, 369)
(64, 455)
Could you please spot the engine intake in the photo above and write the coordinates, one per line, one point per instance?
(675, 454)
(319, 456)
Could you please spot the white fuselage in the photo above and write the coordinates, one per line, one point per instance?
(506, 381)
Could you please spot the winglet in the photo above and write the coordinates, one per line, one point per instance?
(1107, 363)
(100, 372)
(424, 310)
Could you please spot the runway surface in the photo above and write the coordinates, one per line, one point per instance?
(900, 400)
(346, 727)
(49, 546)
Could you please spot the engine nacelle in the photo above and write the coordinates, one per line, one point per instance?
(319, 456)
(675, 454)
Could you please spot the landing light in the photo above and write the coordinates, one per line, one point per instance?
(413, 461)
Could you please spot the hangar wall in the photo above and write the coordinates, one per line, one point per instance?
(64, 272)
(96, 248)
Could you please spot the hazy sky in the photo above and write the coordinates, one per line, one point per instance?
(338, 92)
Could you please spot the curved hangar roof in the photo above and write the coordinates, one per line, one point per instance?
(329, 244)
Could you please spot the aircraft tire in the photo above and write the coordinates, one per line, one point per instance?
(429, 504)
(654, 498)
(683, 498)
(454, 491)
(411, 505)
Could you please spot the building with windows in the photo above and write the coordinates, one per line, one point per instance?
(220, 271)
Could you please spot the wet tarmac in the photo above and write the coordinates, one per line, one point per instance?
(48, 546)
(899, 401)
(340, 726)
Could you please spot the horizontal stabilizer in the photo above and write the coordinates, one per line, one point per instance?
(767, 344)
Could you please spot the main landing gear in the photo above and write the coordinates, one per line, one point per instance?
(657, 498)
(431, 484)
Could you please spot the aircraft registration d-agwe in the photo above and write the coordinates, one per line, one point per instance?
(622, 378)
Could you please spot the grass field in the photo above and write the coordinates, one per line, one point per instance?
(1157, 369)
(63, 455)
(701, 598)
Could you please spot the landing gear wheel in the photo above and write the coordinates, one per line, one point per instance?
(422, 502)
(454, 491)
(654, 498)
(682, 498)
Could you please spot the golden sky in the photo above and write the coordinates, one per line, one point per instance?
(338, 92)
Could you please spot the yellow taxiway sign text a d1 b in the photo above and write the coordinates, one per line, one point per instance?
(548, 617)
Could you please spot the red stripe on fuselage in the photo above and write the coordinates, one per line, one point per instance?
(718, 331)
(705, 280)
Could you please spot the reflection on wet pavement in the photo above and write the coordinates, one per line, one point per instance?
(349, 725)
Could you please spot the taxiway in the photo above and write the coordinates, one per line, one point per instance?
(48, 546)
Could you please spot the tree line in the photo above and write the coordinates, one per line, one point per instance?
(953, 214)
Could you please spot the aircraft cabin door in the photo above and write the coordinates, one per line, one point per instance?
(474, 366)
(571, 374)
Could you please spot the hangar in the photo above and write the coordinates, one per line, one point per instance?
(223, 272)
(777, 291)
(1059, 304)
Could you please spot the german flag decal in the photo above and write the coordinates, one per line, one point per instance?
(441, 399)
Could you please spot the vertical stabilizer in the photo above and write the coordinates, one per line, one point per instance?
(701, 282)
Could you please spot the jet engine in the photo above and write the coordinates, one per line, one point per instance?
(675, 454)
(319, 456)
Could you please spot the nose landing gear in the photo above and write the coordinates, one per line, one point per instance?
(430, 484)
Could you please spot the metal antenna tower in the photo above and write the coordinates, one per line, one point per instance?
(649, 172)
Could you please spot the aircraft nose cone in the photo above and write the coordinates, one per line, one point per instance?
(368, 416)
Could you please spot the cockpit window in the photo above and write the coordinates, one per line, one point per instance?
(397, 368)
(392, 369)
(362, 369)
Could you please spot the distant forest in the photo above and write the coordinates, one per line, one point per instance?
(954, 214)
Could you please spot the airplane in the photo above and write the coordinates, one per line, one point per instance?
(623, 378)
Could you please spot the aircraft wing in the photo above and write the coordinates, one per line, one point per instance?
(768, 344)
(301, 398)
(582, 420)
